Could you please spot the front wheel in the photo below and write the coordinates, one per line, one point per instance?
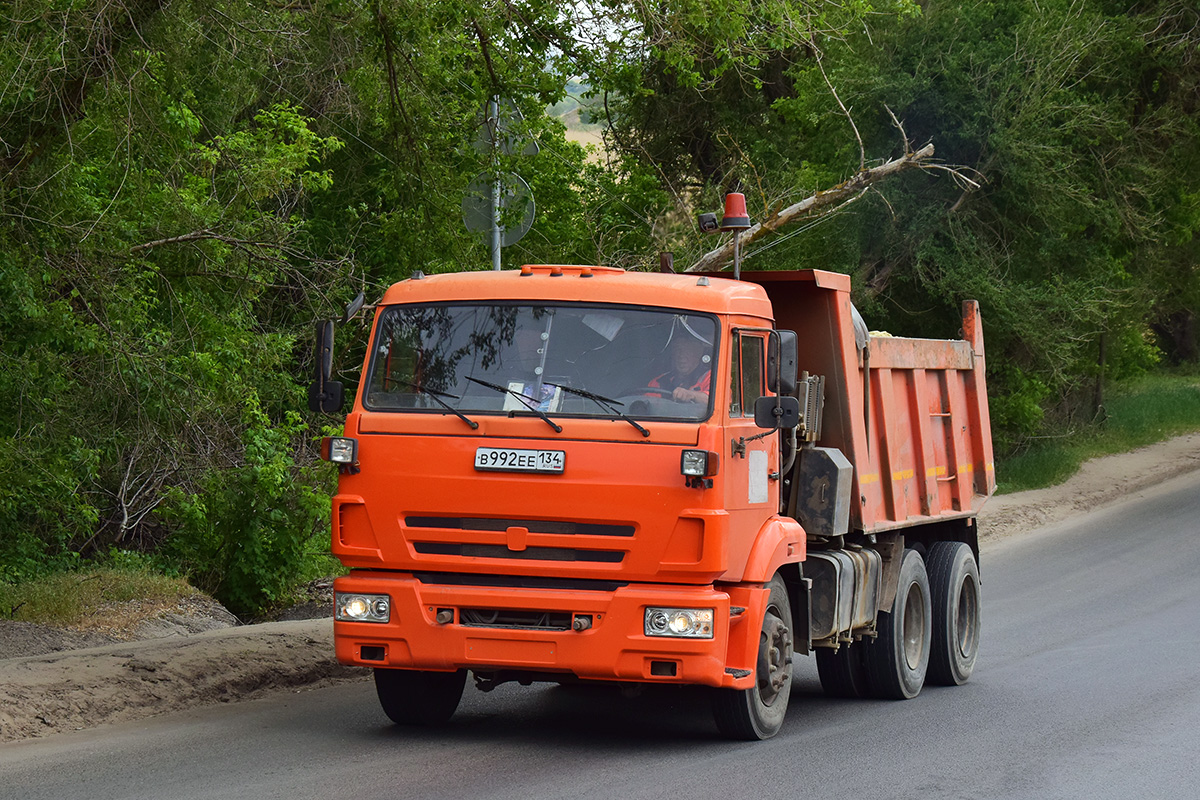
(954, 586)
(898, 659)
(757, 712)
(410, 697)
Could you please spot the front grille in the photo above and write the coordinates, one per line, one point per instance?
(562, 527)
(517, 582)
(508, 618)
(529, 553)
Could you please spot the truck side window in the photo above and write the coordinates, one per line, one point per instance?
(746, 380)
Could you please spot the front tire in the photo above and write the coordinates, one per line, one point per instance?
(410, 697)
(757, 713)
(898, 659)
(954, 586)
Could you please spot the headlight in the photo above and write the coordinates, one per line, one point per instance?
(362, 607)
(698, 463)
(687, 623)
(339, 449)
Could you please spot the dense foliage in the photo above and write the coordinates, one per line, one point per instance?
(185, 187)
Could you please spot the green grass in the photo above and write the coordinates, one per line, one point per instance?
(66, 598)
(69, 598)
(1138, 413)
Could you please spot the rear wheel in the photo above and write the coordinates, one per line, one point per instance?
(954, 588)
(842, 671)
(896, 662)
(410, 697)
(757, 712)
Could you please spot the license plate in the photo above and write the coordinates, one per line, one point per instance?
(503, 459)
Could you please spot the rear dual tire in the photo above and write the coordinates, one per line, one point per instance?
(930, 635)
(843, 672)
(954, 586)
(896, 662)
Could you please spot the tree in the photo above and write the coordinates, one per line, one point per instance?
(185, 188)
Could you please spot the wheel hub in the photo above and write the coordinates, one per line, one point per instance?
(774, 658)
(968, 616)
(914, 626)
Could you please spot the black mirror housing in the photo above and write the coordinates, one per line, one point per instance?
(325, 395)
(777, 412)
(781, 363)
(328, 399)
(353, 307)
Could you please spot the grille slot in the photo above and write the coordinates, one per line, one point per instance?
(528, 554)
(562, 527)
(517, 581)
(509, 618)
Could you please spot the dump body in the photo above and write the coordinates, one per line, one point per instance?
(543, 485)
(920, 439)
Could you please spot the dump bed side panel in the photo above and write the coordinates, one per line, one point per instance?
(920, 440)
(927, 415)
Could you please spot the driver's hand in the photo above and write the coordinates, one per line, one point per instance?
(683, 395)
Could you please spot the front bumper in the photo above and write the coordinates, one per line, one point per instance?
(614, 647)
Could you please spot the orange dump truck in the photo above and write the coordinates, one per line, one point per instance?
(584, 474)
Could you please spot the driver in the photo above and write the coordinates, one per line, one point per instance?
(690, 377)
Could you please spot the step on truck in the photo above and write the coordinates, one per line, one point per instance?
(583, 474)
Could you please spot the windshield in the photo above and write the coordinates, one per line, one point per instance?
(567, 360)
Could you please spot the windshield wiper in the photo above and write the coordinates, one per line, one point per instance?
(437, 398)
(528, 402)
(607, 403)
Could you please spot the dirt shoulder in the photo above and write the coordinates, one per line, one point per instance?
(190, 656)
(41, 695)
(1098, 483)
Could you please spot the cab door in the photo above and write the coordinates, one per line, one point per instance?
(752, 485)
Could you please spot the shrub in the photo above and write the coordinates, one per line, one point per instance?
(247, 535)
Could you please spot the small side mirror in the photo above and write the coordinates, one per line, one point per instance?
(353, 307)
(781, 362)
(324, 394)
(328, 400)
(777, 412)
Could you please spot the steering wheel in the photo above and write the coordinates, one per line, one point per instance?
(658, 390)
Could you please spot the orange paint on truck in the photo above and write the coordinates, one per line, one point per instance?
(517, 501)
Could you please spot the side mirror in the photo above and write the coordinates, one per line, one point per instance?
(777, 412)
(781, 362)
(324, 394)
(353, 307)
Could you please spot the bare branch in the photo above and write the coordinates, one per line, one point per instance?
(900, 127)
(821, 201)
(187, 237)
(862, 152)
(255, 249)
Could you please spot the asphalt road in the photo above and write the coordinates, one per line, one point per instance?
(1087, 686)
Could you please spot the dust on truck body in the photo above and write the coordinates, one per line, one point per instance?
(523, 496)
